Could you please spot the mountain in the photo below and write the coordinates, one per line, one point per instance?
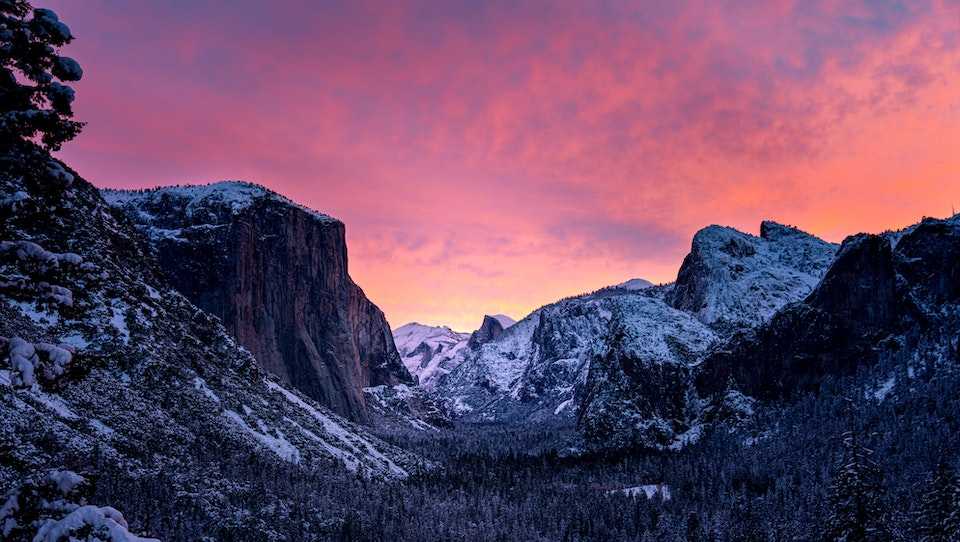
(732, 279)
(618, 363)
(429, 352)
(275, 273)
(893, 296)
(114, 375)
(504, 320)
(490, 330)
(634, 284)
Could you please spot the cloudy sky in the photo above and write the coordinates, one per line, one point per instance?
(495, 156)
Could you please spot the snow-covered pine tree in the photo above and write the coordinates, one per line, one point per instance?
(856, 512)
(35, 105)
(939, 516)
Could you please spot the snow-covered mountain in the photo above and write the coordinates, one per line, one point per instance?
(275, 273)
(618, 362)
(429, 352)
(732, 279)
(634, 284)
(504, 320)
(893, 297)
(103, 359)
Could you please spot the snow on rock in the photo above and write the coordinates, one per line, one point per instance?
(32, 252)
(55, 510)
(200, 385)
(429, 352)
(505, 321)
(649, 491)
(403, 405)
(538, 363)
(33, 363)
(337, 437)
(277, 443)
(23, 362)
(234, 196)
(731, 278)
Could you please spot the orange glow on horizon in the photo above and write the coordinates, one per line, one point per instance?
(494, 159)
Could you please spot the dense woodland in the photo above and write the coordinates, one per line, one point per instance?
(832, 467)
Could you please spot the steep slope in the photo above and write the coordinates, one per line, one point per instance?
(108, 368)
(886, 297)
(276, 274)
(490, 330)
(504, 320)
(619, 362)
(429, 352)
(555, 366)
(731, 279)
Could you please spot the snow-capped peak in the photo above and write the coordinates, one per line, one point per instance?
(734, 278)
(634, 284)
(429, 352)
(505, 321)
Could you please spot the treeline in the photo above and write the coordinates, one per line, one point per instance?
(846, 464)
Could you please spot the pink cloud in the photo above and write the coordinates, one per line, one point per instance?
(489, 157)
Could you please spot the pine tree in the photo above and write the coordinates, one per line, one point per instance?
(856, 511)
(939, 517)
(35, 105)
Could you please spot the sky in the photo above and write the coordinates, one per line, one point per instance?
(491, 157)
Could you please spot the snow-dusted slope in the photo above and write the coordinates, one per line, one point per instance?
(276, 276)
(537, 368)
(198, 201)
(429, 352)
(100, 356)
(619, 360)
(733, 279)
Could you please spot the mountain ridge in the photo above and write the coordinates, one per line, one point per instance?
(290, 300)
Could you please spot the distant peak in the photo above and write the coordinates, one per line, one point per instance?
(634, 284)
(504, 320)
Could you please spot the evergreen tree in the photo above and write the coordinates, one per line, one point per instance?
(35, 105)
(939, 517)
(856, 512)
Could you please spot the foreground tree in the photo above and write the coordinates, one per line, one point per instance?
(35, 105)
(939, 517)
(856, 512)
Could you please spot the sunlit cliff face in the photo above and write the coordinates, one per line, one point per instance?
(491, 158)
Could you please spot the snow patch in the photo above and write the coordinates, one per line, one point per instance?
(277, 444)
(357, 445)
(648, 490)
(200, 385)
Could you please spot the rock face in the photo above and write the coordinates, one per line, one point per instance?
(276, 275)
(619, 362)
(490, 330)
(731, 279)
(885, 297)
(130, 376)
(591, 362)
